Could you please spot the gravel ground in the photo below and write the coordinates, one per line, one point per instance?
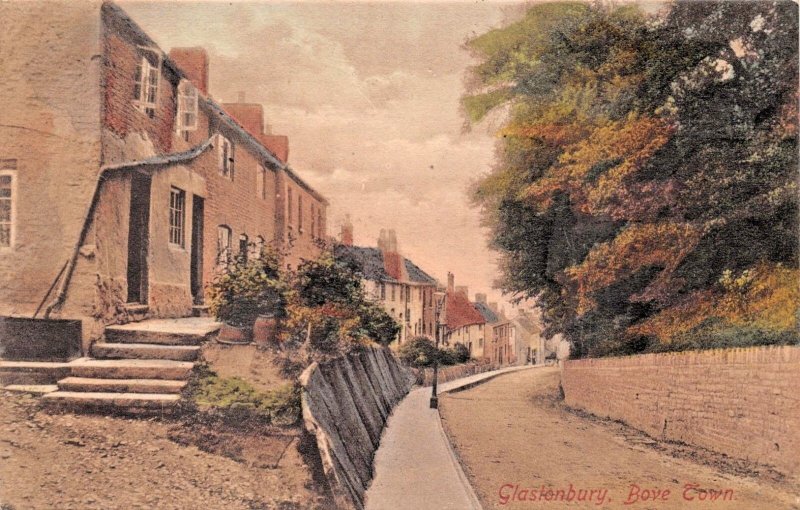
(66, 461)
(517, 442)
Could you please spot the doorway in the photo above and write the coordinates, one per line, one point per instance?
(138, 238)
(197, 250)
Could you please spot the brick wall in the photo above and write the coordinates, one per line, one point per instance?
(740, 402)
(425, 376)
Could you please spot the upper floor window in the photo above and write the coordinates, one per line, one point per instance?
(261, 182)
(289, 205)
(7, 202)
(177, 216)
(225, 152)
(146, 81)
(313, 222)
(383, 290)
(320, 226)
(300, 213)
(187, 108)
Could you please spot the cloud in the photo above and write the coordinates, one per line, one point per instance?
(368, 94)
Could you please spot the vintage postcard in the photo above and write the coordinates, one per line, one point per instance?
(399, 255)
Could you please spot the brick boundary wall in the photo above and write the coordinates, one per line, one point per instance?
(743, 402)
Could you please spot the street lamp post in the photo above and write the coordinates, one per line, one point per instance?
(439, 299)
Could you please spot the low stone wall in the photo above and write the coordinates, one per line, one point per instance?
(740, 402)
(424, 377)
(346, 403)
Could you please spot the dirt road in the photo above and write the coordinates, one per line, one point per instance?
(85, 462)
(522, 449)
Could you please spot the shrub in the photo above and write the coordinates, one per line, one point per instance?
(247, 288)
(418, 352)
(460, 353)
(236, 398)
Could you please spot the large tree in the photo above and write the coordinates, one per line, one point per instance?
(647, 163)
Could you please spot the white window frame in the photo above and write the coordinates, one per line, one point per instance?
(224, 234)
(187, 107)
(177, 217)
(12, 220)
(226, 155)
(149, 82)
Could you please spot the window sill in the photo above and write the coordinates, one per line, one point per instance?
(177, 247)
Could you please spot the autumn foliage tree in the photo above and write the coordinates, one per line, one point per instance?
(645, 163)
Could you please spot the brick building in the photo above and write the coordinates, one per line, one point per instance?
(123, 183)
(403, 289)
(464, 323)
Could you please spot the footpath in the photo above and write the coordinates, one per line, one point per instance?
(415, 466)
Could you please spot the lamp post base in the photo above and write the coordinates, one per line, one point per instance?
(434, 402)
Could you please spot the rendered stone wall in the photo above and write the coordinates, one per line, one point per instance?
(740, 402)
(346, 403)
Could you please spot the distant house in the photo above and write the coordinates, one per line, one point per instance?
(126, 184)
(529, 345)
(403, 289)
(492, 318)
(464, 324)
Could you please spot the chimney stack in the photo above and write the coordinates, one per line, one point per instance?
(451, 282)
(463, 289)
(480, 297)
(347, 231)
(194, 64)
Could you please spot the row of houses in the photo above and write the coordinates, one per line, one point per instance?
(408, 294)
(124, 183)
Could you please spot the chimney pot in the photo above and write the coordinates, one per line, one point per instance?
(480, 297)
(451, 282)
(347, 231)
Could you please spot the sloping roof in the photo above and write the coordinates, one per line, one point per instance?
(415, 274)
(527, 324)
(368, 260)
(488, 313)
(372, 265)
(460, 312)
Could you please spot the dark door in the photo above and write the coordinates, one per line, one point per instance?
(138, 238)
(197, 250)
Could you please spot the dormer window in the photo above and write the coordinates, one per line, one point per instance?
(187, 108)
(225, 153)
(146, 80)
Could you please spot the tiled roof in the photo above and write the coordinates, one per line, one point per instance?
(460, 312)
(371, 264)
(368, 260)
(415, 274)
(487, 312)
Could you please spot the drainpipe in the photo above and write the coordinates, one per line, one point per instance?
(105, 172)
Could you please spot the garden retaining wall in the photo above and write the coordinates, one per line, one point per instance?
(740, 402)
(346, 403)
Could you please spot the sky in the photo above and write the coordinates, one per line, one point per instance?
(368, 93)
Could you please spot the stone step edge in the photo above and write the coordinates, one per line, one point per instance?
(112, 399)
(138, 386)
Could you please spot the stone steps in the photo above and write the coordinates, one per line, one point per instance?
(145, 351)
(32, 372)
(96, 385)
(73, 400)
(192, 331)
(131, 369)
(140, 366)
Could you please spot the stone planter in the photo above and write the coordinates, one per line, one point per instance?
(234, 335)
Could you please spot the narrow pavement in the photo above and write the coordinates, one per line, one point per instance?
(521, 448)
(415, 467)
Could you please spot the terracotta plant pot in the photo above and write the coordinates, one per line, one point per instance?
(234, 335)
(265, 330)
